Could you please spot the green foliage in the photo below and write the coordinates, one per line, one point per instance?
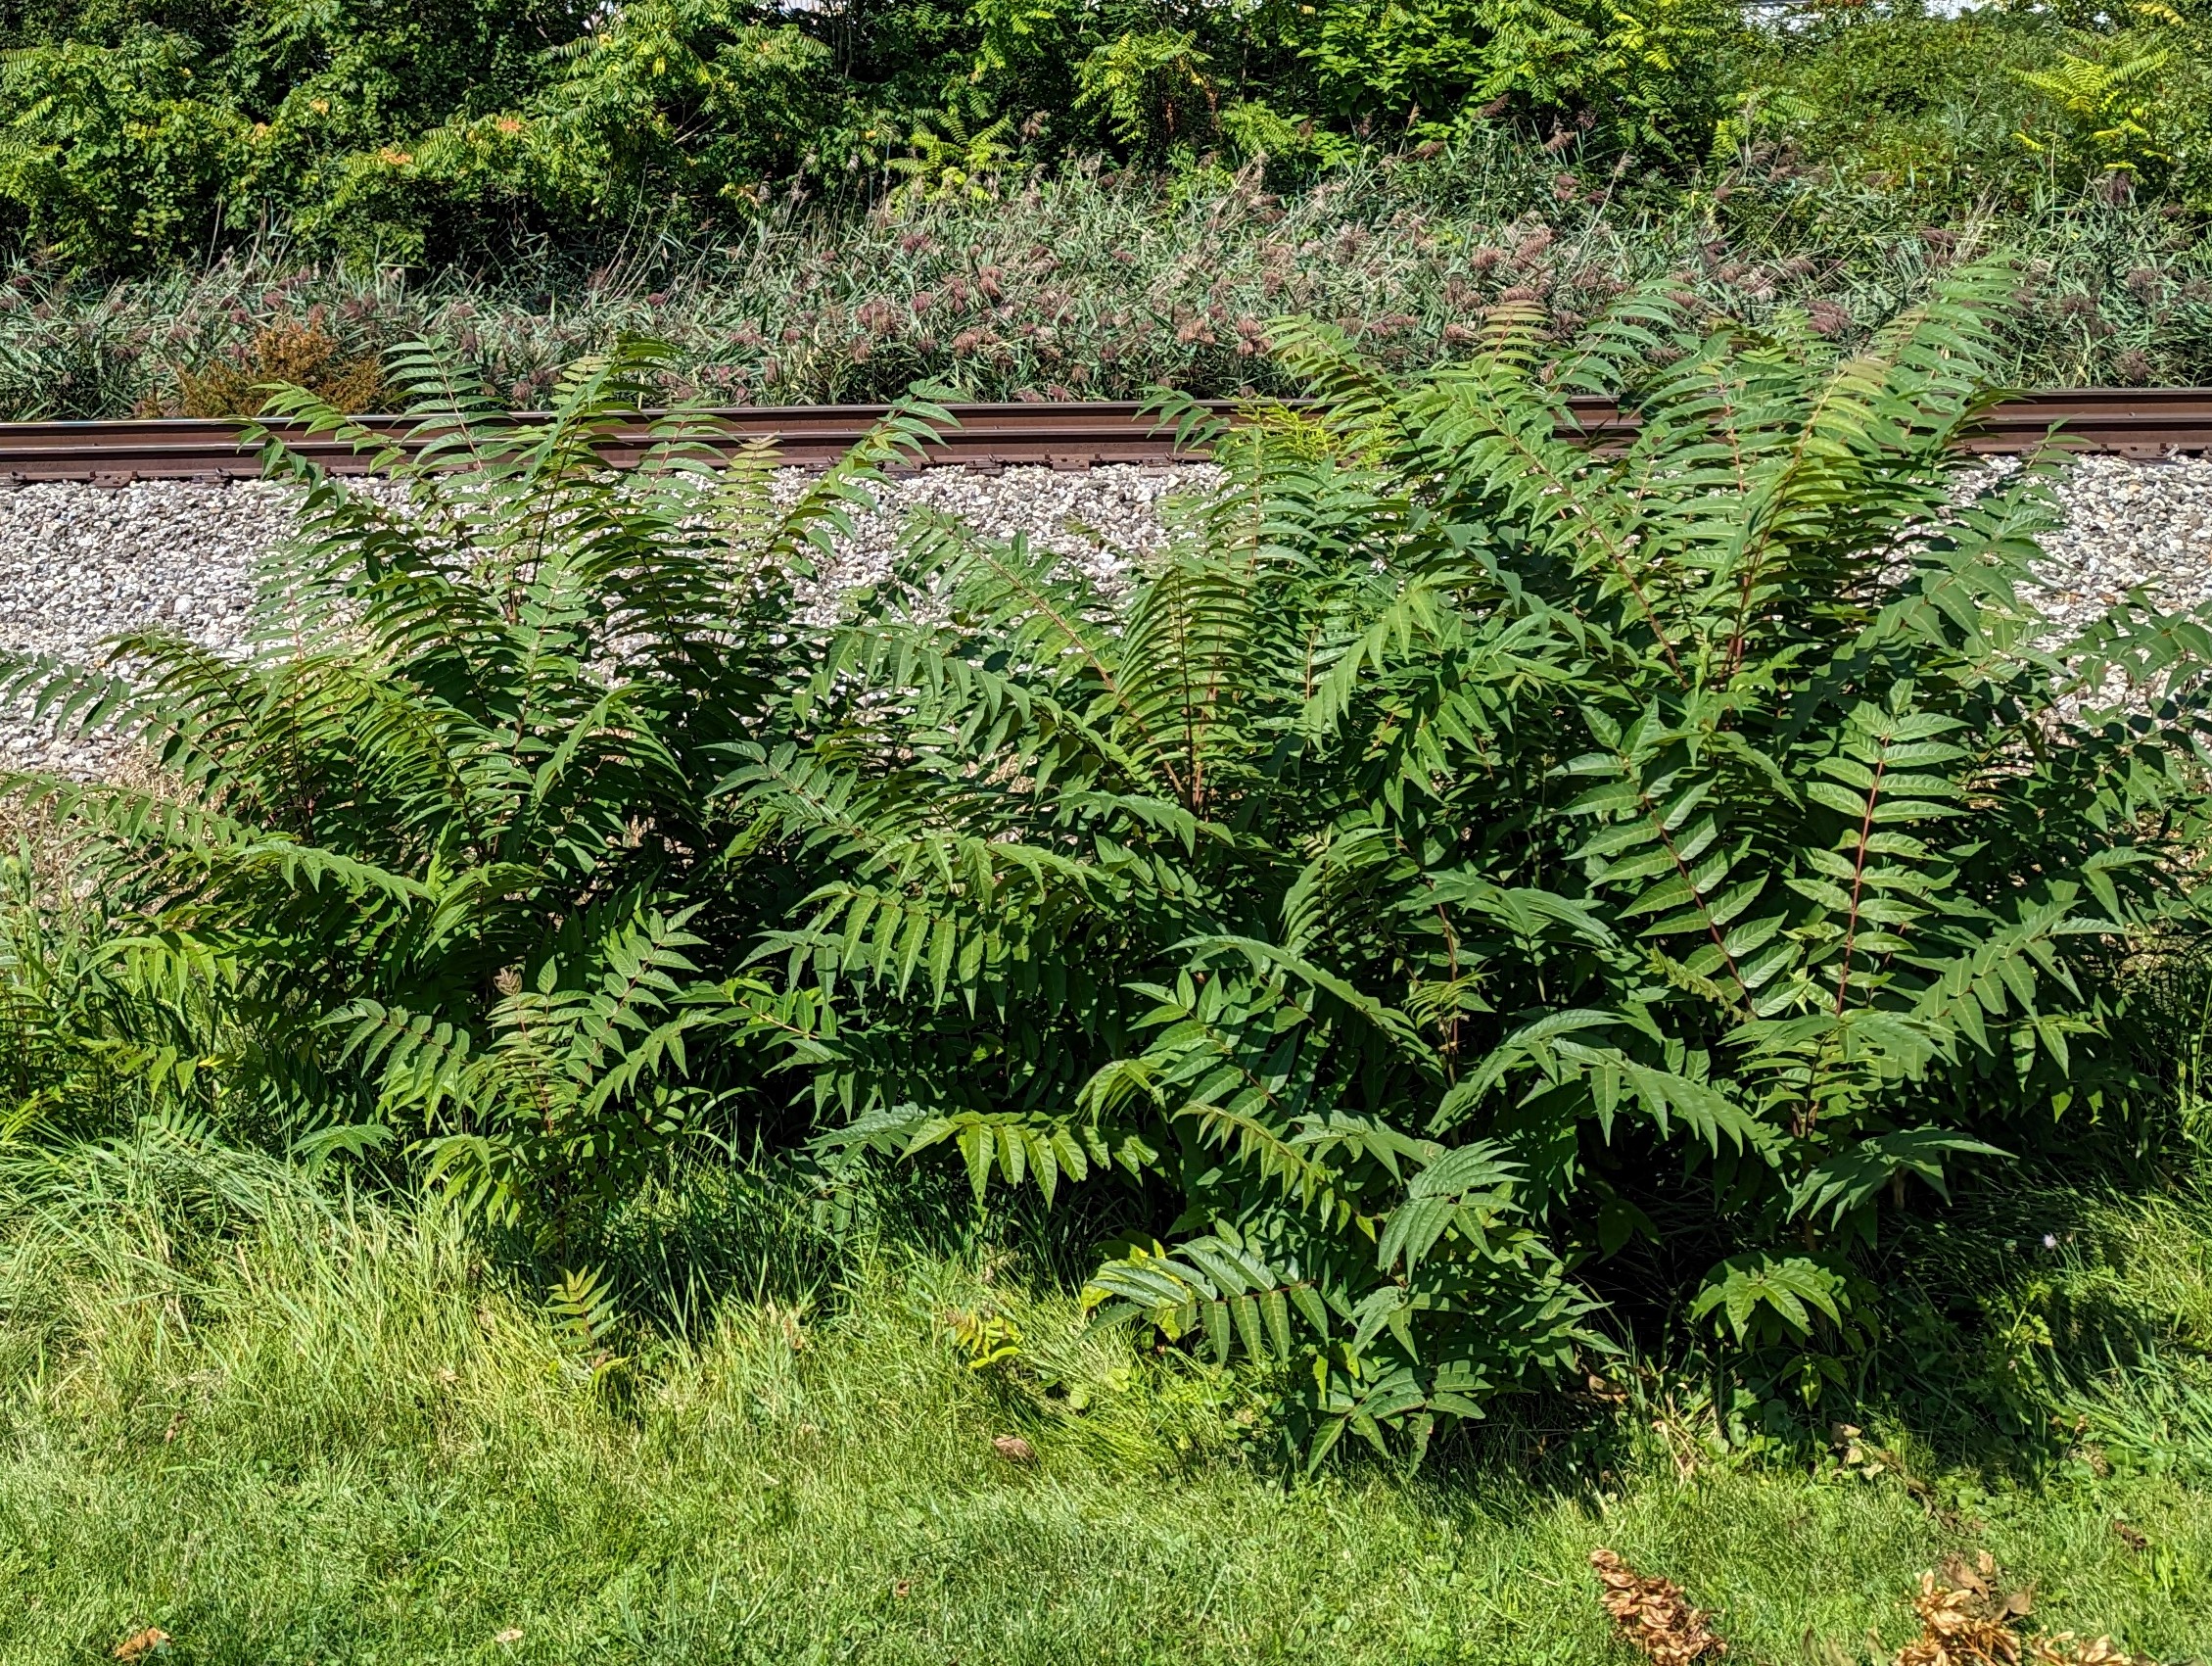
(947, 157)
(104, 1024)
(1919, 106)
(990, 1339)
(442, 848)
(1149, 90)
(2105, 106)
(131, 142)
(2006, 104)
(1464, 864)
(105, 155)
(2138, 112)
(691, 101)
(586, 1315)
(1464, 856)
(1645, 78)
(1080, 282)
(137, 138)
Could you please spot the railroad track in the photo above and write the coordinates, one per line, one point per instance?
(2135, 422)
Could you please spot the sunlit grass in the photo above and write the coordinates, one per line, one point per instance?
(282, 1425)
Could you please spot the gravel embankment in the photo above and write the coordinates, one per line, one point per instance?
(80, 563)
(2129, 523)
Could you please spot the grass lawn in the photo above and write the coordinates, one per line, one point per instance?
(284, 1428)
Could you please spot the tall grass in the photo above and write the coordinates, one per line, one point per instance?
(286, 1423)
(1093, 284)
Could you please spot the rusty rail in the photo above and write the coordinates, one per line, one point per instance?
(2138, 422)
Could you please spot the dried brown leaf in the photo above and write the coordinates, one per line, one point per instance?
(1966, 1620)
(1653, 1616)
(139, 1644)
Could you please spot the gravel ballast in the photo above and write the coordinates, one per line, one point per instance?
(80, 564)
(2128, 524)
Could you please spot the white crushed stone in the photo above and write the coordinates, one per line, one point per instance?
(1105, 520)
(2128, 525)
(79, 564)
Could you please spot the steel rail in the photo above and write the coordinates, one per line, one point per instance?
(2138, 422)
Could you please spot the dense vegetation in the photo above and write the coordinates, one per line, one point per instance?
(579, 1101)
(145, 131)
(1471, 903)
(1091, 285)
(1018, 196)
(284, 1424)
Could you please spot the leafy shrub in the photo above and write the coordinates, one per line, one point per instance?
(2136, 113)
(109, 158)
(1994, 106)
(1150, 90)
(130, 146)
(442, 852)
(951, 157)
(460, 133)
(1470, 876)
(1467, 859)
(684, 105)
(1647, 78)
(1923, 107)
(99, 1028)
